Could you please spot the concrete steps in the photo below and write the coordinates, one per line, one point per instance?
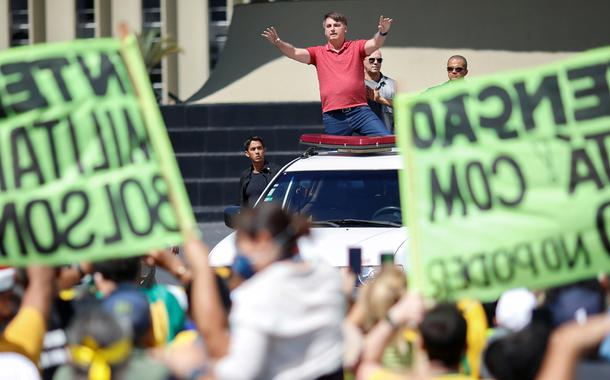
(207, 140)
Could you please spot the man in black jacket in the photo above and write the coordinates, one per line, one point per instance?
(253, 180)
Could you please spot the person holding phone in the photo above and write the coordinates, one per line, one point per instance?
(380, 89)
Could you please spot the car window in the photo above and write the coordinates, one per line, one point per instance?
(334, 195)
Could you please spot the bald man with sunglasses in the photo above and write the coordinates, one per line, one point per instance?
(380, 89)
(457, 67)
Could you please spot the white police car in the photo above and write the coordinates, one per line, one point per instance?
(351, 195)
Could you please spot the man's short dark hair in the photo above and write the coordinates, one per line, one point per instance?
(336, 16)
(461, 57)
(519, 355)
(249, 141)
(119, 270)
(443, 332)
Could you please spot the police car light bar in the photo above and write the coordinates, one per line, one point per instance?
(362, 144)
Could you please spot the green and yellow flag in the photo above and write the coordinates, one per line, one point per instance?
(86, 168)
(507, 179)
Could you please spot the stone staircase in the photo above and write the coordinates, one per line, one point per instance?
(207, 140)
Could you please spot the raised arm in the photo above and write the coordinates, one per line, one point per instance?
(207, 309)
(298, 54)
(378, 39)
(409, 310)
(26, 330)
(568, 343)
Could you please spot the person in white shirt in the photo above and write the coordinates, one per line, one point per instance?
(286, 318)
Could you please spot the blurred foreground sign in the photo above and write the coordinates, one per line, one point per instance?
(507, 179)
(86, 168)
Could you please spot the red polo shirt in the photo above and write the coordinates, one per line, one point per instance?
(340, 74)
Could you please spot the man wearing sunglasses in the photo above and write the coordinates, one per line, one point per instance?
(380, 89)
(340, 75)
(457, 67)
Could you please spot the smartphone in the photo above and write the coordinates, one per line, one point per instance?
(355, 260)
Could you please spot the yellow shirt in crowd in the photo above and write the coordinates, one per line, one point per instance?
(383, 374)
(25, 334)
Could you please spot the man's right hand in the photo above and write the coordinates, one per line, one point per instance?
(271, 35)
(370, 93)
(300, 55)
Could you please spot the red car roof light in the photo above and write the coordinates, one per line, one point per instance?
(362, 144)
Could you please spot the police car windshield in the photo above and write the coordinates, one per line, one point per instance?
(361, 195)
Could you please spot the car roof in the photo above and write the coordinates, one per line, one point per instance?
(334, 160)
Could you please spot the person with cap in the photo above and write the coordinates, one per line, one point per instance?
(513, 313)
(131, 305)
(517, 355)
(103, 345)
(514, 309)
(122, 275)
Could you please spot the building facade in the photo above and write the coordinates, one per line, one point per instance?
(199, 27)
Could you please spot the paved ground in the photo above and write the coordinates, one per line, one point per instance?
(211, 233)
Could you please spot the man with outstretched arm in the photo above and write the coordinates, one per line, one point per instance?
(340, 69)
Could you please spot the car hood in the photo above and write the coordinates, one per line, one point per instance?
(331, 245)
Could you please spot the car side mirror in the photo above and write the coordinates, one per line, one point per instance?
(230, 214)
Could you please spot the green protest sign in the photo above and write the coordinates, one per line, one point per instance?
(86, 168)
(507, 179)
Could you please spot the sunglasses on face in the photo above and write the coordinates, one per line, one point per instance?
(372, 60)
(455, 69)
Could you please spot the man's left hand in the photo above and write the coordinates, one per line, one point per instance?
(370, 93)
(384, 24)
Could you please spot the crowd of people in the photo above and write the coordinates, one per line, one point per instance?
(276, 316)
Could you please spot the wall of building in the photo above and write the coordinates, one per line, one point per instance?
(187, 21)
(60, 20)
(192, 62)
(492, 35)
(4, 24)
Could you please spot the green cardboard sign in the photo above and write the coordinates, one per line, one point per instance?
(507, 179)
(86, 168)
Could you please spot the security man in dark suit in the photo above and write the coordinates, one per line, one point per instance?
(253, 180)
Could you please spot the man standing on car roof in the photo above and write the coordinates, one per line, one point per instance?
(340, 69)
(253, 180)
